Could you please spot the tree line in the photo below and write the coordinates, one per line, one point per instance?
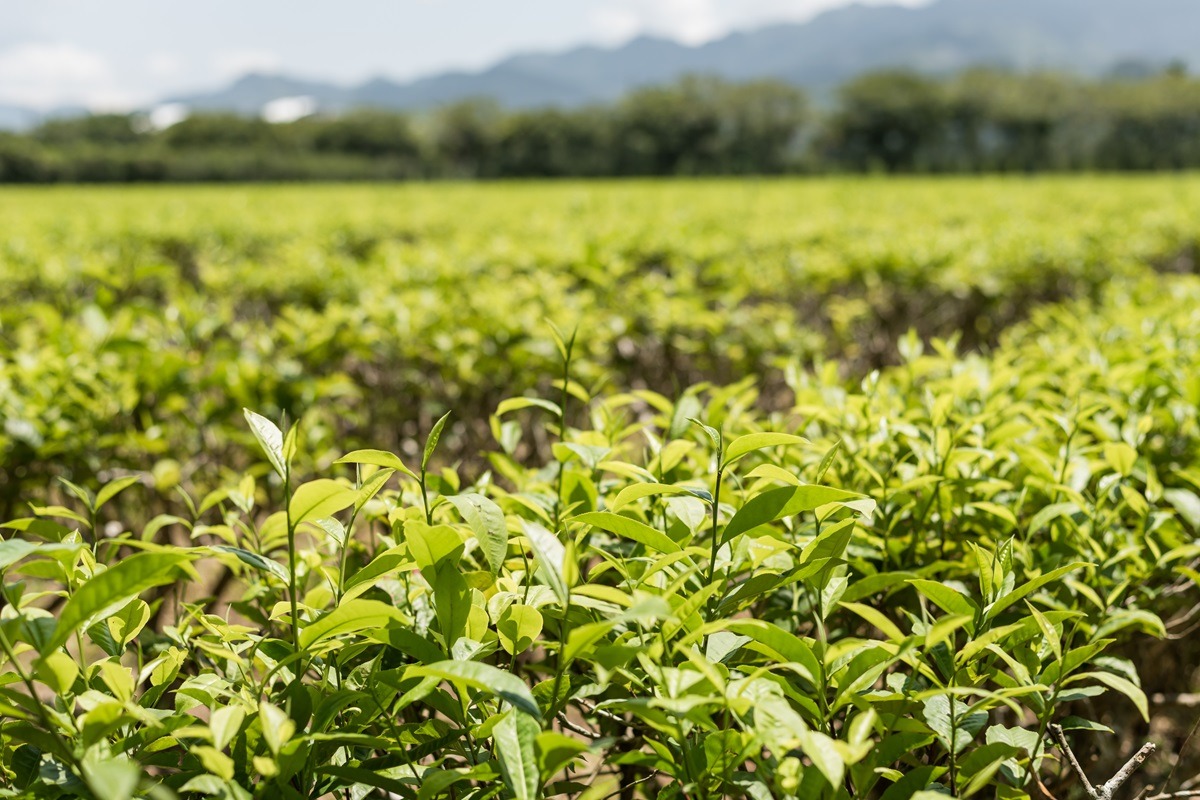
(891, 121)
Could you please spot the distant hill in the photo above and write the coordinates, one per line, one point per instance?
(1090, 37)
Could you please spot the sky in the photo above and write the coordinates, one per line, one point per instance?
(123, 54)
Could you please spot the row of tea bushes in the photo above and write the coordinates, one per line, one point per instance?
(890, 591)
(139, 322)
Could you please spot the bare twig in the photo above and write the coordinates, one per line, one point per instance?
(576, 727)
(1108, 789)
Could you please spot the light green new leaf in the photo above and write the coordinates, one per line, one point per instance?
(518, 403)
(1122, 685)
(485, 678)
(516, 737)
(112, 778)
(377, 458)
(629, 528)
(946, 598)
(550, 553)
(744, 445)
(487, 521)
(270, 438)
(111, 589)
(225, 723)
(111, 490)
(786, 501)
(1029, 588)
(351, 616)
(1121, 457)
(13, 550)
(255, 560)
(319, 498)
(518, 627)
(637, 491)
(431, 441)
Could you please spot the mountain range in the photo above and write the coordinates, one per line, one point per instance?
(1089, 37)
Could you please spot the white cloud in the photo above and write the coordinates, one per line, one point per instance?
(616, 24)
(165, 115)
(47, 74)
(289, 109)
(697, 21)
(691, 21)
(236, 63)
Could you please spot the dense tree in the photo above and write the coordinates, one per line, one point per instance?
(891, 121)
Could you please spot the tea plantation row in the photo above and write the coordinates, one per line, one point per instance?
(893, 585)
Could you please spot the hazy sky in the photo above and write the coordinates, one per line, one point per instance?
(123, 53)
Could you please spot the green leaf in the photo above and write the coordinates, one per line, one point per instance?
(1029, 588)
(944, 597)
(13, 550)
(484, 678)
(377, 458)
(387, 562)
(637, 491)
(270, 439)
(1122, 685)
(112, 778)
(631, 529)
(744, 445)
(431, 546)
(1187, 504)
(487, 521)
(371, 486)
(225, 723)
(431, 441)
(518, 403)
(952, 721)
(349, 617)
(787, 501)
(518, 627)
(58, 671)
(827, 460)
(277, 726)
(713, 434)
(111, 490)
(516, 737)
(111, 589)
(1121, 457)
(549, 553)
(319, 498)
(255, 560)
(451, 603)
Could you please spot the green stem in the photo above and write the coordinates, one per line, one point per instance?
(561, 667)
(291, 537)
(716, 540)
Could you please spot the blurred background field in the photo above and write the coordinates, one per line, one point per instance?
(139, 322)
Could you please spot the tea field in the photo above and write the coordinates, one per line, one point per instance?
(839, 488)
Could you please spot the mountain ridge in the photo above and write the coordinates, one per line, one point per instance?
(1088, 37)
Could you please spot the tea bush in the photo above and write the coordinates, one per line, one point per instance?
(138, 323)
(887, 590)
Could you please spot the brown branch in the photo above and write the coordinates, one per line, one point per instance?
(1108, 789)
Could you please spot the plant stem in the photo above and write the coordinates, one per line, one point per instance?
(291, 539)
(558, 673)
(716, 541)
